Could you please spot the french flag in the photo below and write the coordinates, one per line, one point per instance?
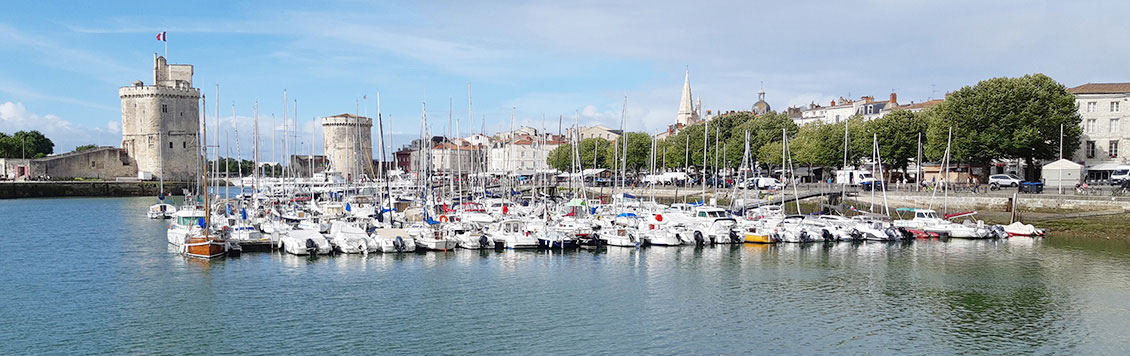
(161, 37)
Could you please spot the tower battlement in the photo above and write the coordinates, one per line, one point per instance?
(161, 122)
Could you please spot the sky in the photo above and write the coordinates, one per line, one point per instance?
(61, 63)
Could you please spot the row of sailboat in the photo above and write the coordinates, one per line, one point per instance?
(328, 214)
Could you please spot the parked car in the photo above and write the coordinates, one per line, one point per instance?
(871, 185)
(1120, 174)
(1031, 187)
(1005, 180)
(763, 183)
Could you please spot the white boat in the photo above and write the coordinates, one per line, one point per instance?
(621, 236)
(659, 230)
(185, 222)
(161, 211)
(465, 236)
(390, 240)
(191, 239)
(706, 225)
(791, 229)
(1022, 229)
(429, 238)
(304, 242)
(348, 238)
(511, 234)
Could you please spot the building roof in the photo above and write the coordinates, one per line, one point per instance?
(1101, 88)
(922, 105)
(350, 116)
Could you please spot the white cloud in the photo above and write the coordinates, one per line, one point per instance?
(14, 116)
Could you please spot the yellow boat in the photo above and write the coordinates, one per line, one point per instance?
(759, 238)
(759, 235)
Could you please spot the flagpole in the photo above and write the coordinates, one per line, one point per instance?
(165, 39)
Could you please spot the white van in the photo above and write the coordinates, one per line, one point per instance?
(854, 177)
(1120, 173)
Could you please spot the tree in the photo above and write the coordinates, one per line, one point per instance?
(85, 147)
(898, 137)
(1009, 118)
(639, 151)
(561, 158)
(26, 144)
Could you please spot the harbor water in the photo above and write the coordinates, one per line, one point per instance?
(94, 276)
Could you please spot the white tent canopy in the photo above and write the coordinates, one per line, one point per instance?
(1062, 173)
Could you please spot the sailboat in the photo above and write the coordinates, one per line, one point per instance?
(161, 210)
(202, 242)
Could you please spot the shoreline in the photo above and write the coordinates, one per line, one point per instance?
(64, 189)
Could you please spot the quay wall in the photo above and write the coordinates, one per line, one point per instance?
(1025, 202)
(13, 190)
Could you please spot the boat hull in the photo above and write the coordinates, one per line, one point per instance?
(207, 248)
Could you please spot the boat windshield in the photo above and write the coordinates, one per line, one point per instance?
(186, 220)
(927, 215)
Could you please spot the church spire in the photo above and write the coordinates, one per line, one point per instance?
(686, 113)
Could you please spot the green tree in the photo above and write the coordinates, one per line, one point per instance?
(1010, 118)
(639, 151)
(561, 158)
(898, 134)
(85, 147)
(28, 144)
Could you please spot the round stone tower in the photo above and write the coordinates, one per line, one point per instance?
(348, 144)
(161, 122)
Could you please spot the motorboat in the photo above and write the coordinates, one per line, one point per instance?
(429, 237)
(1021, 229)
(161, 211)
(759, 231)
(348, 238)
(707, 225)
(465, 235)
(511, 234)
(792, 229)
(622, 236)
(659, 230)
(393, 240)
(302, 242)
(189, 235)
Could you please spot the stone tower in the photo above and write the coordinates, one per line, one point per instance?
(686, 114)
(161, 122)
(348, 144)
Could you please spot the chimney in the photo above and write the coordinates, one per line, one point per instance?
(833, 103)
(894, 99)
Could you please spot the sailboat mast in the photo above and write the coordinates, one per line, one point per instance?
(204, 147)
(705, 140)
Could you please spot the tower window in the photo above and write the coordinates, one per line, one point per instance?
(170, 144)
(164, 108)
(184, 144)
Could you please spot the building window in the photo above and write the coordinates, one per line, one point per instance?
(183, 144)
(1114, 106)
(1113, 148)
(1090, 148)
(164, 108)
(1090, 125)
(1091, 106)
(1115, 126)
(170, 144)
(92, 164)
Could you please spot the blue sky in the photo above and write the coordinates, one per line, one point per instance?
(62, 62)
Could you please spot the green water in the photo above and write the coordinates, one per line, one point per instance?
(94, 276)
